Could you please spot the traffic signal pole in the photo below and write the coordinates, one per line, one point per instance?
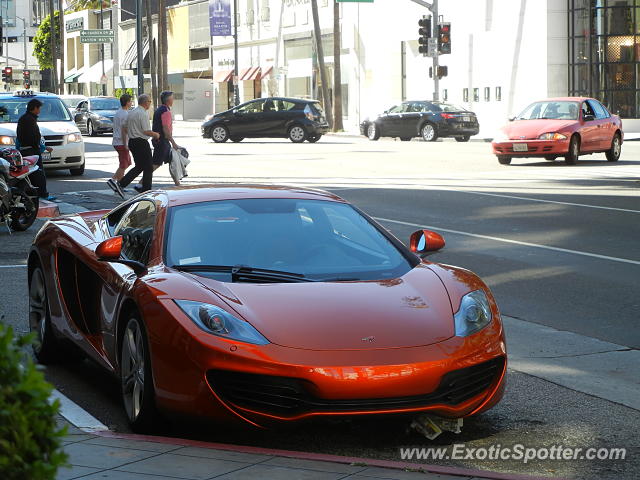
(433, 8)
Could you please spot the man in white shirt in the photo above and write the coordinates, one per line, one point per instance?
(139, 131)
(120, 143)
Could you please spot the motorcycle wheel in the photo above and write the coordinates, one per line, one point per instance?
(26, 218)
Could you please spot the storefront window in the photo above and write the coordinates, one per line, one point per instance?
(604, 53)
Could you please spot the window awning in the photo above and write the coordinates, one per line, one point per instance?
(249, 74)
(72, 77)
(130, 61)
(266, 72)
(222, 76)
(93, 74)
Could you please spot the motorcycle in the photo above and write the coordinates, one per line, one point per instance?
(19, 200)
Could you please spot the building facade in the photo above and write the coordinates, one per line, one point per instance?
(20, 19)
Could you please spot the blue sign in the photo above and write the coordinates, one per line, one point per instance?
(220, 18)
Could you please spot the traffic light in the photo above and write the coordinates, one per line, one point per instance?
(443, 71)
(7, 75)
(424, 33)
(444, 38)
(26, 75)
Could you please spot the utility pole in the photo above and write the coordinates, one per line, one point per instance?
(337, 74)
(323, 72)
(54, 47)
(436, 59)
(236, 91)
(152, 57)
(139, 46)
(104, 86)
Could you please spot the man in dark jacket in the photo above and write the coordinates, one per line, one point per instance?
(163, 126)
(29, 138)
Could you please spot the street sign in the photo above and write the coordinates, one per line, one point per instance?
(96, 36)
(432, 47)
(103, 79)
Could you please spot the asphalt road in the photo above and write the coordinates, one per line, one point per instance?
(558, 245)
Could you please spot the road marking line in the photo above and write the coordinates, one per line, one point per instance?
(515, 242)
(12, 266)
(78, 416)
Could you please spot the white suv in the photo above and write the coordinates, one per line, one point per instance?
(56, 124)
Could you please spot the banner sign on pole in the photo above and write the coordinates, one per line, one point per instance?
(220, 18)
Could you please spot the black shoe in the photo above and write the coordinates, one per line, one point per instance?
(115, 186)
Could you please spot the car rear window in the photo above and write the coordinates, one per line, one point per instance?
(318, 108)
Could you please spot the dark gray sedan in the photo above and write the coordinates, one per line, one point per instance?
(95, 115)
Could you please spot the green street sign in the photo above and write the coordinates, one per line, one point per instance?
(96, 36)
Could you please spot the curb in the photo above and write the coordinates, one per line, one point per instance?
(48, 209)
(322, 457)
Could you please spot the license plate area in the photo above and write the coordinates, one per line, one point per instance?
(46, 156)
(520, 147)
(466, 119)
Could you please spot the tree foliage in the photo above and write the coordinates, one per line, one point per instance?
(78, 5)
(42, 41)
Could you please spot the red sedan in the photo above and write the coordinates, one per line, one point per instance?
(263, 304)
(560, 127)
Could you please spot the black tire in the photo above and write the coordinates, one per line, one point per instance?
(138, 395)
(90, 130)
(504, 160)
(237, 139)
(219, 133)
(572, 155)
(297, 133)
(463, 139)
(76, 172)
(47, 347)
(550, 158)
(613, 154)
(373, 132)
(26, 217)
(429, 132)
(405, 139)
(314, 139)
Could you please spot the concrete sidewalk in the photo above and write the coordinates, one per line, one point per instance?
(112, 456)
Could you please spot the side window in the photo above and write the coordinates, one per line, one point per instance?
(253, 107)
(396, 109)
(599, 109)
(587, 110)
(136, 228)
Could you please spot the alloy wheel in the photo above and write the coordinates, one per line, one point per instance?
(428, 133)
(133, 369)
(371, 132)
(219, 134)
(297, 134)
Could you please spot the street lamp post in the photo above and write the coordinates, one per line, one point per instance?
(139, 46)
(102, 78)
(236, 91)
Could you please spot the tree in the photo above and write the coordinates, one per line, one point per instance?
(323, 72)
(42, 41)
(78, 5)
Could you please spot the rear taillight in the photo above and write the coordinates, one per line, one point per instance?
(310, 116)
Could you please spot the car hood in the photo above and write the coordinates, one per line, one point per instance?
(46, 128)
(532, 129)
(104, 113)
(410, 311)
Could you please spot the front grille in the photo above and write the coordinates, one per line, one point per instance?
(73, 159)
(53, 140)
(292, 396)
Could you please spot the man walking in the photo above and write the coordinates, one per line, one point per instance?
(163, 125)
(120, 143)
(30, 141)
(139, 131)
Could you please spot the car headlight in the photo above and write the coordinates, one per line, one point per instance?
(218, 321)
(74, 138)
(552, 136)
(6, 140)
(473, 315)
(208, 117)
(104, 119)
(501, 137)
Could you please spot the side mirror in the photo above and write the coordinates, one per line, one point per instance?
(588, 118)
(110, 250)
(423, 242)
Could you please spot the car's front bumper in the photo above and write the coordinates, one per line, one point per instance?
(103, 126)
(534, 148)
(207, 376)
(65, 155)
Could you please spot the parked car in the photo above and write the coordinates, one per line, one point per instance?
(560, 127)
(274, 117)
(72, 101)
(95, 115)
(429, 120)
(263, 304)
(56, 126)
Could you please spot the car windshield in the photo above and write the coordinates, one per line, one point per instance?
(105, 104)
(550, 110)
(446, 107)
(72, 101)
(321, 240)
(53, 110)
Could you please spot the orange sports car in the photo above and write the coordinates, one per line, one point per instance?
(263, 304)
(560, 127)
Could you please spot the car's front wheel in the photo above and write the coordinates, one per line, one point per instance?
(429, 132)
(138, 395)
(219, 134)
(373, 133)
(91, 131)
(503, 160)
(613, 154)
(77, 171)
(47, 348)
(297, 134)
(574, 151)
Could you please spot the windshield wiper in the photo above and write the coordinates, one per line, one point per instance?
(245, 272)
